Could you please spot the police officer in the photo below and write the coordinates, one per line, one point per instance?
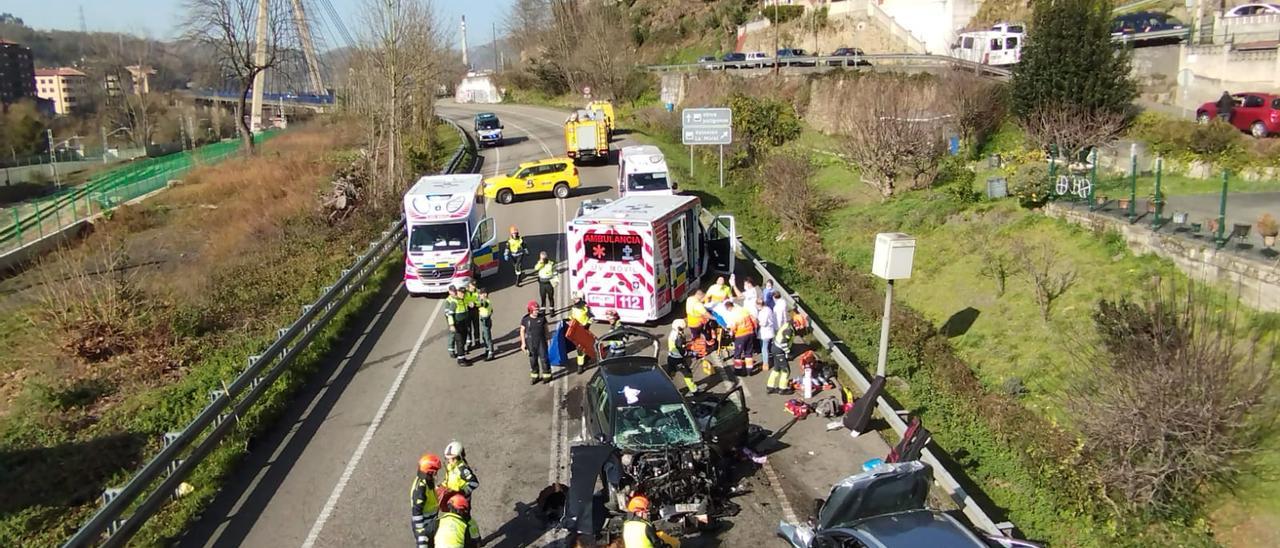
(455, 310)
(422, 498)
(637, 531)
(579, 312)
(779, 381)
(458, 476)
(515, 253)
(677, 342)
(546, 270)
(471, 295)
(457, 529)
(484, 309)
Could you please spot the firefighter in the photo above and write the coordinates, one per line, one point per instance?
(515, 253)
(677, 343)
(695, 313)
(484, 309)
(581, 313)
(637, 531)
(458, 476)
(743, 327)
(457, 529)
(471, 296)
(617, 347)
(546, 270)
(455, 310)
(779, 381)
(533, 342)
(422, 498)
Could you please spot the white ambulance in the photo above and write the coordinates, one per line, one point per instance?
(642, 255)
(1000, 46)
(449, 239)
(642, 169)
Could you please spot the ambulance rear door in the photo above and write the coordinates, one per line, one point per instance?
(721, 238)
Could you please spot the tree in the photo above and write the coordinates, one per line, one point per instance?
(1071, 130)
(229, 29)
(894, 133)
(1069, 59)
(977, 106)
(1176, 396)
(1050, 278)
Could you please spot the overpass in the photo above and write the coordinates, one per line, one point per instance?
(314, 101)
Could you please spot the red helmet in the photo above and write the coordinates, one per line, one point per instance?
(533, 305)
(459, 502)
(428, 463)
(638, 503)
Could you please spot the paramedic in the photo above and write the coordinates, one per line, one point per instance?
(768, 328)
(695, 313)
(580, 313)
(515, 253)
(743, 327)
(546, 270)
(720, 291)
(779, 381)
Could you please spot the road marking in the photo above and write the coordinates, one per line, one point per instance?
(539, 140)
(354, 461)
(787, 511)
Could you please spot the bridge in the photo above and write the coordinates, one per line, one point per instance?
(318, 102)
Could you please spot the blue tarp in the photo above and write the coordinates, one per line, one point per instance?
(558, 351)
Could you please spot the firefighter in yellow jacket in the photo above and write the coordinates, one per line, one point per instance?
(425, 506)
(457, 529)
(638, 531)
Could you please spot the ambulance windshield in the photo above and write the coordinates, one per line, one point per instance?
(647, 181)
(438, 237)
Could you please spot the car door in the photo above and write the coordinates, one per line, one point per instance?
(483, 249)
(1250, 110)
(722, 242)
(727, 426)
(678, 255)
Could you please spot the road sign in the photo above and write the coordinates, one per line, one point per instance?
(707, 135)
(707, 117)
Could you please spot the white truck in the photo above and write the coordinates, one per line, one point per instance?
(642, 255)
(642, 169)
(1000, 46)
(449, 239)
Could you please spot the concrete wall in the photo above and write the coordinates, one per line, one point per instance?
(1205, 71)
(933, 22)
(1257, 282)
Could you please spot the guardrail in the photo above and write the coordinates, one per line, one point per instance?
(187, 448)
(976, 515)
(1137, 37)
(868, 61)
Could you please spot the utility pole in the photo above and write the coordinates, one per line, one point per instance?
(495, 47)
(53, 159)
(775, 36)
(259, 58)
(465, 62)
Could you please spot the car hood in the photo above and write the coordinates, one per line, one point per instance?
(886, 489)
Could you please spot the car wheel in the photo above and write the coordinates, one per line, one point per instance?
(1202, 117)
(505, 196)
(561, 190)
(1258, 129)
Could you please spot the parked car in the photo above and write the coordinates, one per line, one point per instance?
(1143, 21)
(759, 59)
(1256, 113)
(734, 60)
(885, 508)
(854, 56)
(709, 62)
(1247, 10)
(795, 57)
(554, 175)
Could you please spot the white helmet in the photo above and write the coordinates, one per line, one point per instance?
(454, 449)
(678, 324)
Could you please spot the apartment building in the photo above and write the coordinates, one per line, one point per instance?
(64, 86)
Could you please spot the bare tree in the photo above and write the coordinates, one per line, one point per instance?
(231, 30)
(895, 133)
(1176, 396)
(1042, 264)
(526, 24)
(1072, 130)
(397, 67)
(606, 60)
(976, 105)
(998, 266)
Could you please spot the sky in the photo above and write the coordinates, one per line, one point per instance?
(160, 18)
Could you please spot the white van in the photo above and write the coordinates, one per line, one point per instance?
(1000, 46)
(642, 169)
(642, 255)
(449, 239)
(758, 59)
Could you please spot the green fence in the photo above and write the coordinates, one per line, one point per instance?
(34, 220)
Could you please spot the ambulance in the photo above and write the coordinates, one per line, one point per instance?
(642, 255)
(449, 239)
(642, 169)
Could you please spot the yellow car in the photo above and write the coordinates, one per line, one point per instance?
(555, 175)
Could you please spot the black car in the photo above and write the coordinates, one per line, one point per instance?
(734, 60)
(1132, 26)
(853, 58)
(650, 439)
(708, 62)
(795, 57)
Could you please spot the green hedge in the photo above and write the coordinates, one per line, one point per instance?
(781, 14)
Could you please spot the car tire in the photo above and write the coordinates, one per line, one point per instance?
(1202, 117)
(1259, 130)
(561, 190)
(505, 196)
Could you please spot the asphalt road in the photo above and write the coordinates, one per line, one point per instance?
(336, 470)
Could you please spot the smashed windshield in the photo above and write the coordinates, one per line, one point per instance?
(439, 237)
(646, 427)
(647, 181)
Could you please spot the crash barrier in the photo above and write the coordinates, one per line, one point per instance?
(898, 60)
(126, 509)
(976, 515)
(34, 221)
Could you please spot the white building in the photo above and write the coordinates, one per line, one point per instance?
(64, 86)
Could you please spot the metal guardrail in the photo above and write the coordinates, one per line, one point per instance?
(1138, 37)
(893, 416)
(184, 450)
(827, 62)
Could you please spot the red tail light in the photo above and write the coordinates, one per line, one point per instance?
(575, 172)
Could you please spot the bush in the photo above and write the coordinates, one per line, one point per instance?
(1031, 185)
(781, 14)
(761, 124)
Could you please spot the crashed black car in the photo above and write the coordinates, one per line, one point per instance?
(645, 437)
(885, 508)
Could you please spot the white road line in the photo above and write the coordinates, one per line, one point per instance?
(368, 433)
(787, 511)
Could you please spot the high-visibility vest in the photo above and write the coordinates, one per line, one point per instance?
(453, 531)
(546, 270)
(675, 344)
(694, 312)
(429, 503)
(485, 307)
(719, 292)
(460, 306)
(783, 338)
(455, 477)
(635, 534)
(580, 314)
(744, 325)
(451, 306)
(514, 245)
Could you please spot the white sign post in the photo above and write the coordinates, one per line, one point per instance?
(707, 126)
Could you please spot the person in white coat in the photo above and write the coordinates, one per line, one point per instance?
(779, 309)
(768, 327)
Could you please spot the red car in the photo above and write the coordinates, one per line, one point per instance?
(1256, 113)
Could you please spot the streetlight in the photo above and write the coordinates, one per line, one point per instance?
(892, 260)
